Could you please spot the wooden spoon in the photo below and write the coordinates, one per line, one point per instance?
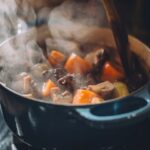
(134, 75)
(120, 35)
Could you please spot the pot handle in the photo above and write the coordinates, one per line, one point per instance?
(129, 110)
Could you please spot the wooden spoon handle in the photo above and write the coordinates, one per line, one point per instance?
(120, 35)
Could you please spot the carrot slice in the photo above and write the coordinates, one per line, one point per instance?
(86, 97)
(55, 58)
(48, 86)
(76, 64)
(110, 73)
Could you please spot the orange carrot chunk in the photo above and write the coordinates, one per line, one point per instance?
(110, 73)
(48, 86)
(76, 64)
(56, 58)
(86, 97)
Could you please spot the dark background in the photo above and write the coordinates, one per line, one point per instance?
(136, 15)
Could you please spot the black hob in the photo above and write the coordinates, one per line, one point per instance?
(10, 142)
(16, 144)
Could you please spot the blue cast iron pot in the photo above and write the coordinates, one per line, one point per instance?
(48, 125)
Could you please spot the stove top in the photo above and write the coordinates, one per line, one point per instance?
(9, 142)
(5, 135)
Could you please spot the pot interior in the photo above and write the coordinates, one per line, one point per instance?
(15, 47)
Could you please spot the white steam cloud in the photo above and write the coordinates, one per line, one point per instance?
(66, 20)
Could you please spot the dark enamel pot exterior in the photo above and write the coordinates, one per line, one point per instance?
(43, 124)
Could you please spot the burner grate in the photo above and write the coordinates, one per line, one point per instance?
(10, 142)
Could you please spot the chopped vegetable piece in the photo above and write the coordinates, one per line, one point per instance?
(76, 64)
(121, 89)
(86, 97)
(48, 86)
(56, 58)
(110, 73)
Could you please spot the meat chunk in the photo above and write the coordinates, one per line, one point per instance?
(37, 69)
(54, 74)
(105, 89)
(27, 84)
(72, 82)
(60, 97)
(66, 82)
(61, 78)
(30, 87)
(94, 56)
(97, 58)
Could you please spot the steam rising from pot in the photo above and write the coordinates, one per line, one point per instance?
(66, 21)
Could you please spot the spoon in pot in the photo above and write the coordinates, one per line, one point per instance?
(133, 74)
